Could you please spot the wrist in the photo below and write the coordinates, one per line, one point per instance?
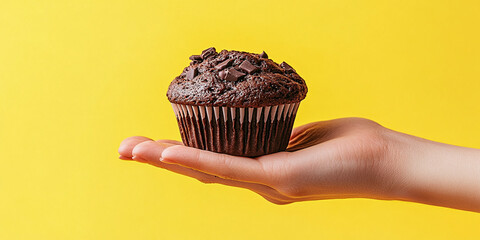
(433, 173)
(390, 168)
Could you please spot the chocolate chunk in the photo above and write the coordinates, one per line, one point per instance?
(288, 68)
(263, 55)
(248, 67)
(192, 73)
(208, 52)
(233, 75)
(195, 58)
(222, 75)
(285, 65)
(223, 64)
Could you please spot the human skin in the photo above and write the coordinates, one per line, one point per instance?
(341, 158)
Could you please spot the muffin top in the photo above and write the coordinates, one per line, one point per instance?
(236, 79)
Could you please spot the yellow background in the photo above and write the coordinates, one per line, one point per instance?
(76, 77)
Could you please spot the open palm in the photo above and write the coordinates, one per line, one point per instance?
(331, 159)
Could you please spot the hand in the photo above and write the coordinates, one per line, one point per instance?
(340, 158)
(332, 159)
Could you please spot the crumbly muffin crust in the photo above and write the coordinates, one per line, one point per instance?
(236, 79)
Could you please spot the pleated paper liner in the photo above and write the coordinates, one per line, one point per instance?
(236, 131)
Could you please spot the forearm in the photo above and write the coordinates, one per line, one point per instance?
(436, 173)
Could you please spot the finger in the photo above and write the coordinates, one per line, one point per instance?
(296, 131)
(311, 135)
(266, 192)
(128, 144)
(222, 165)
(169, 141)
(304, 140)
(150, 152)
(276, 201)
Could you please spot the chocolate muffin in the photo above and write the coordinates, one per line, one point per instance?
(236, 102)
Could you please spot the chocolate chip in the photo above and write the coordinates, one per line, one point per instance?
(263, 55)
(222, 74)
(248, 67)
(285, 65)
(233, 75)
(288, 68)
(223, 64)
(192, 73)
(195, 58)
(208, 52)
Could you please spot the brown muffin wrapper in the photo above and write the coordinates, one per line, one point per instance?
(236, 131)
